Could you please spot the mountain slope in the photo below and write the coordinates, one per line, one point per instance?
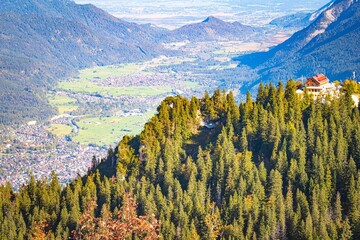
(42, 40)
(211, 29)
(300, 19)
(210, 169)
(296, 20)
(67, 30)
(328, 45)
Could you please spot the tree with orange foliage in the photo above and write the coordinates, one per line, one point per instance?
(121, 225)
(40, 231)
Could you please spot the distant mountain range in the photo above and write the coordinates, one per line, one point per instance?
(44, 40)
(329, 45)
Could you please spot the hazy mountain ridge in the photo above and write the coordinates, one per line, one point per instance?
(299, 19)
(296, 20)
(212, 29)
(321, 47)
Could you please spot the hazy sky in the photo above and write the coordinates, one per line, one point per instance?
(176, 13)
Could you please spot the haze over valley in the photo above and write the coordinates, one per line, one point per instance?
(175, 14)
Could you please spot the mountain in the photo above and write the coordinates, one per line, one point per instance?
(300, 19)
(211, 29)
(329, 45)
(42, 40)
(156, 32)
(296, 20)
(64, 27)
(274, 168)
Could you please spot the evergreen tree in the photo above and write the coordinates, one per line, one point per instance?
(280, 167)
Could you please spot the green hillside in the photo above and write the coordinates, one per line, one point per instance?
(274, 168)
(44, 41)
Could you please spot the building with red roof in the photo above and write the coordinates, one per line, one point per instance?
(317, 81)
(319, 85)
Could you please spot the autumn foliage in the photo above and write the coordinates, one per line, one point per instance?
(123, 224)
(40, 231)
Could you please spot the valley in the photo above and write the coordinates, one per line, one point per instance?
(179, 119)
(100, 105)
(73, 115)
(109, 102)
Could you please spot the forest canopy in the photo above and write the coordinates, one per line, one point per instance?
(278, 167)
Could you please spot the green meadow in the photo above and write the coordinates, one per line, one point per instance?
(61, 100)
(103, 130)
(104, 72)
(188, 84)
(87, 86)
(63, 103)
(67, 109)
(60, 130)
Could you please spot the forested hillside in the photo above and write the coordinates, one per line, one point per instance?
(329, 44)
(44, 40)
(275, 168)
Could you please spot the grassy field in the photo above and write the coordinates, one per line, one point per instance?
(105, 131)
(188, 84)
(66, 109)
(60, 130)
(104, 72)
(63, 103)
(167, 61)
(60, 100)
(87, 86)
(109, 130)
(110, 71)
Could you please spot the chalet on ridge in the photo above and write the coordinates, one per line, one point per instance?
(319, 84)
(317, 80)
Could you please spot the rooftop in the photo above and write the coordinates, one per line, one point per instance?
(318, 79)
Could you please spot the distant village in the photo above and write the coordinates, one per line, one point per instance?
(35, 150)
